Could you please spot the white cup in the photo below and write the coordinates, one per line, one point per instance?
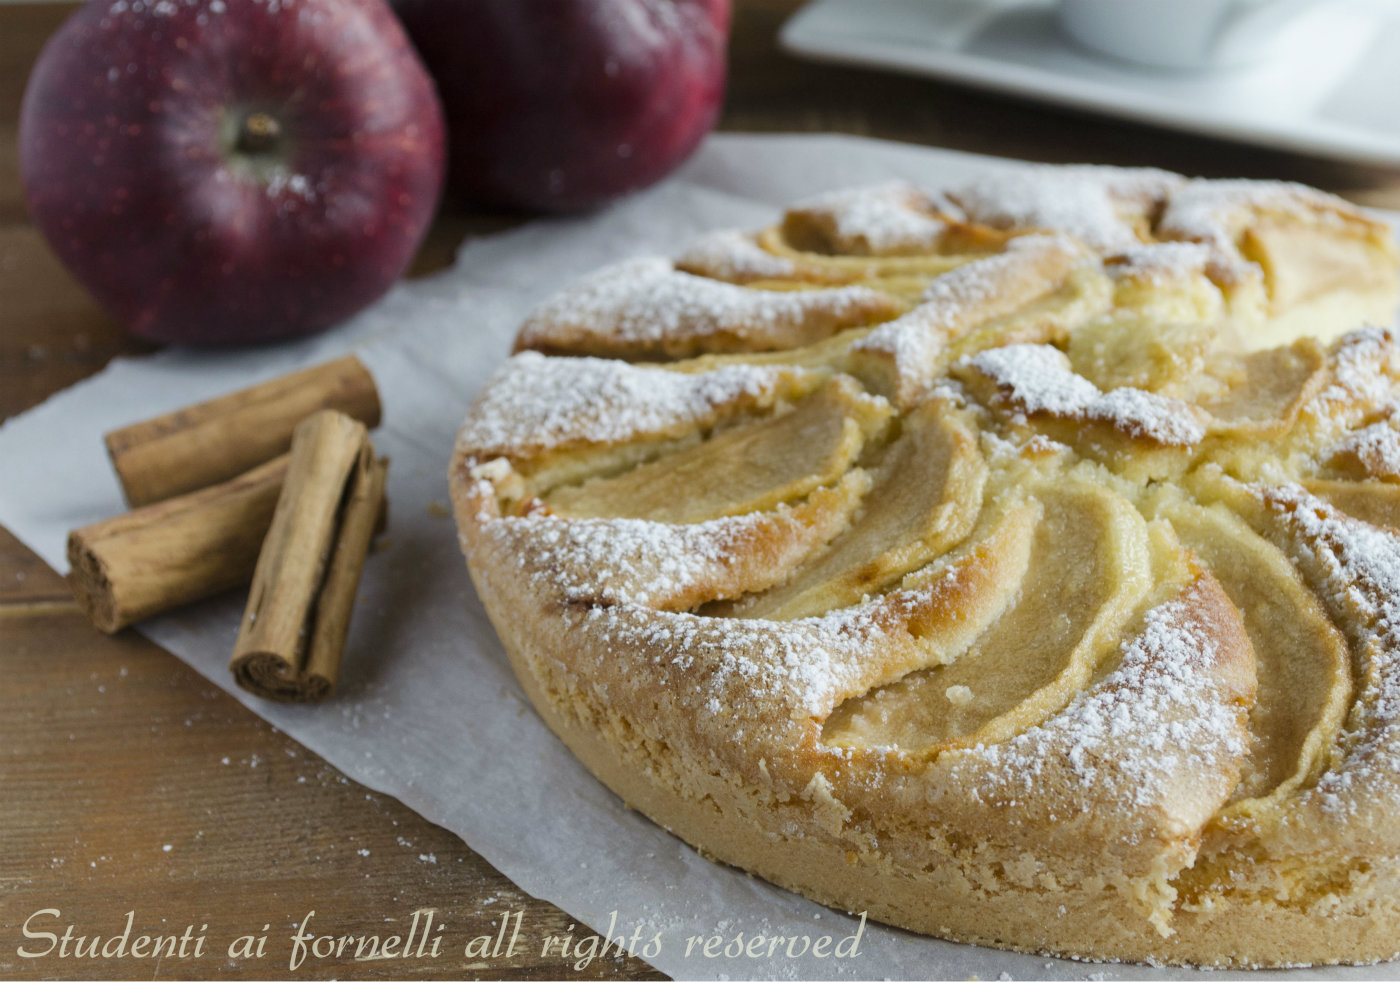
(1185, 34)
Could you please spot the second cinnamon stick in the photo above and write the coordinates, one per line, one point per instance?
(299, 605)
(210, 442)
(174, 552)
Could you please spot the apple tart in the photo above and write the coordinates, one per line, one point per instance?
(1019, 563)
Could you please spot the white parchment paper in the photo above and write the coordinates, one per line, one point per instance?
(428, 709)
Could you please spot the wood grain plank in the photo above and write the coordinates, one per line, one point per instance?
(25, 579)
(130, 783)
(53, 333)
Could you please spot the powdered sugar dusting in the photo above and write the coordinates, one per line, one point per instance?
(621, 560)
(1355, 570)
(672, 566)
(1162, 720)
(974, 286)
(1365, 368)
(917, 338)
(535, 403)
(1215, 211)
(885, 219)
(790, 665)
(802, 665)
(1162, 264)
(1376, 448)
(733, 255)
(1148, 415)
(1100, 206)
(960, 299)
(1036, 378)
(645, 303)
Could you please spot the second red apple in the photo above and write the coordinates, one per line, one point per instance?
(561, 105)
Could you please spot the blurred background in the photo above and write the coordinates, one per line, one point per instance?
(933, 72)
(988, 76)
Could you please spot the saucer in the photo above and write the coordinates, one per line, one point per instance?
(1330, 91)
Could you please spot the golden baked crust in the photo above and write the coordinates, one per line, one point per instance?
(1016, 563)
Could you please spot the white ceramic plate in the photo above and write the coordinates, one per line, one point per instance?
(1333, 91)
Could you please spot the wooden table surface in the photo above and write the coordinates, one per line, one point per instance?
(128, 783)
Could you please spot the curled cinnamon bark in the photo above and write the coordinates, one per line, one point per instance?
(219, 439)
(298, 614)
(174, 552)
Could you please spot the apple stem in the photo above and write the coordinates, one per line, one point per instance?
(258, 134)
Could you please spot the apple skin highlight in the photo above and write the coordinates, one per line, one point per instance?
(232, 171)
(563, 105)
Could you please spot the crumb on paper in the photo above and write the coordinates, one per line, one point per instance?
(959, 695)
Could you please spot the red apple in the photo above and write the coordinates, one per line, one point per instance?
(559, 105)
(220, 171)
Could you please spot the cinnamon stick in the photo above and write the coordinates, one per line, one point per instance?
(298, 614)
(174, 552)
(216, 440)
